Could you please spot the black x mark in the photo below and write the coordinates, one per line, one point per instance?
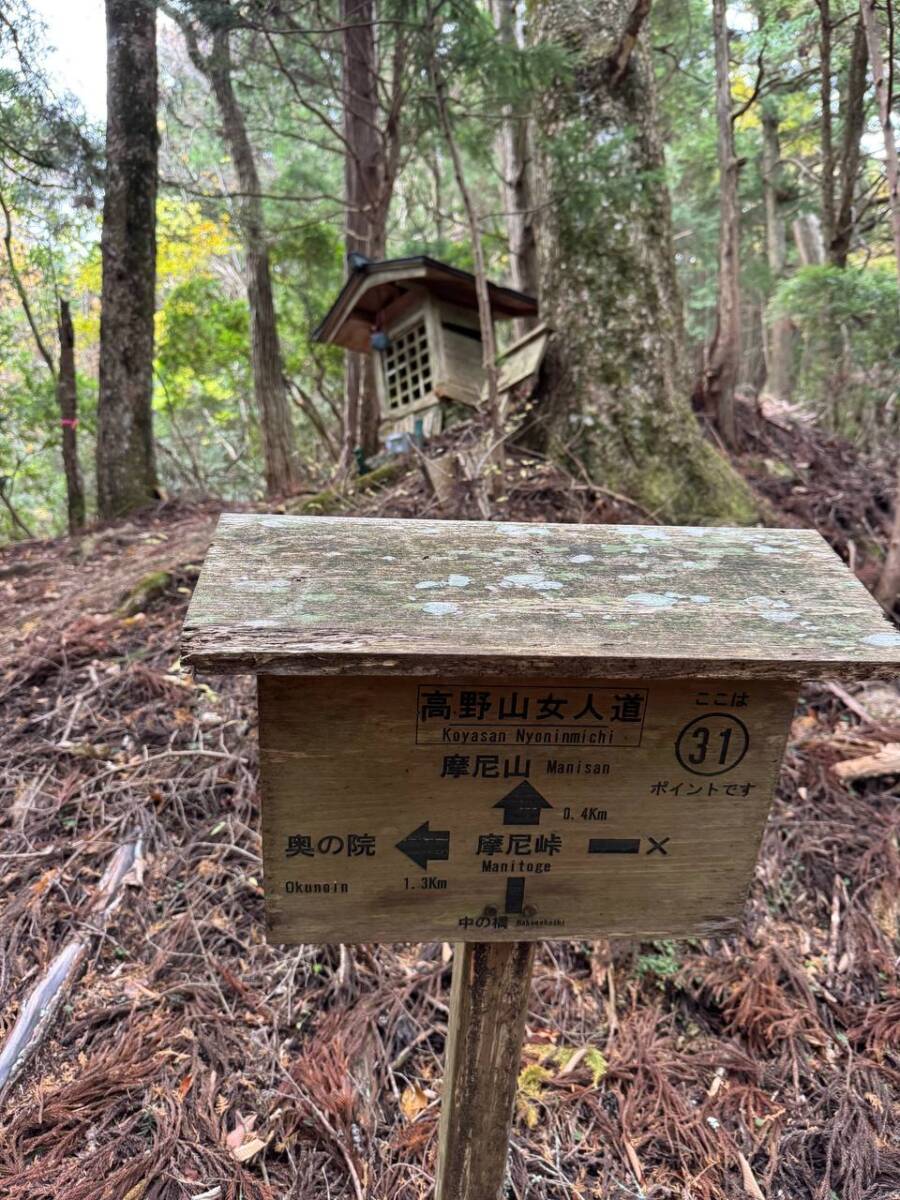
(657, 845)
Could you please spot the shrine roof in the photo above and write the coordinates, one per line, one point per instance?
(373, 288)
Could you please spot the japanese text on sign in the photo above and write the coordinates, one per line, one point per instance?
(530, 716)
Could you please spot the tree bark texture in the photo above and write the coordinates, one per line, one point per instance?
(495, 451)
(883, 97)
(888, 586)
(514, 144)
(367, 194)
(67, 398)
(126, 472)
(887, 590)
(779, 349)
(723, 356)
(279, 446)
(808, 239)
(826, 123)
(615, 388)
(853, 114)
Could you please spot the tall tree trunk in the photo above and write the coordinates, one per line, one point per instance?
(888, 585)
(778, 350)
(826, 125)
(366, 210)
(887, 590)
(67, 398)
(884, 99)
(279, 446)
(515, 163)
(723, 356)
(808, 240)
(853, 115)
(616, 380)
(496, 454)
(126, 471)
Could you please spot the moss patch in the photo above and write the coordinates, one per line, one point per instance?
(681, 484)
(144, 592)
(330, 501)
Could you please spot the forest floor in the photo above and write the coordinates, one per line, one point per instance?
(193, 1060)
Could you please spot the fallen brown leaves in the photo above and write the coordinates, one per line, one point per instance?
(196, 1061)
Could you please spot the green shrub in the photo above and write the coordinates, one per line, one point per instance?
(849, 347)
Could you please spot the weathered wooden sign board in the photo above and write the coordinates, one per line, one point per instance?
(496, 733)
(399, 810)
(501, 732)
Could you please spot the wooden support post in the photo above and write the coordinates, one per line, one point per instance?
(488, 1006)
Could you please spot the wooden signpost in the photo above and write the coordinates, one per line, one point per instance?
(494, 733)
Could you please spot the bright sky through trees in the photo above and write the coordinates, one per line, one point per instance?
(77, 33)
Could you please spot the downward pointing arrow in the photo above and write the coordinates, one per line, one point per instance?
(424, 844)
(515, 895)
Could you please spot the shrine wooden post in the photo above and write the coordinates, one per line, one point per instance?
(494, 733)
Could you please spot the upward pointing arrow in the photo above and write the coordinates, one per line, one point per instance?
(522, 806)
(424, 843)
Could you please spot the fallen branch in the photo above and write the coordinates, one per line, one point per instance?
(885, 762)
(849, 702)
(751, 1187)
(41, 1006)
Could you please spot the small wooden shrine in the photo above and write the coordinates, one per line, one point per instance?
(420, 317)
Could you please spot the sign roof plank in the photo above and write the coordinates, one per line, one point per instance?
(376, 596)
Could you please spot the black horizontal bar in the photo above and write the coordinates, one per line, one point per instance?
(614, 845)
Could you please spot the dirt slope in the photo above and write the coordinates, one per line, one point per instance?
(192, 1060)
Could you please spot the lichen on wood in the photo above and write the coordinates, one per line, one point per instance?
(308, 595)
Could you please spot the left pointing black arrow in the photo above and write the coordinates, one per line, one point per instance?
(424, 844)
